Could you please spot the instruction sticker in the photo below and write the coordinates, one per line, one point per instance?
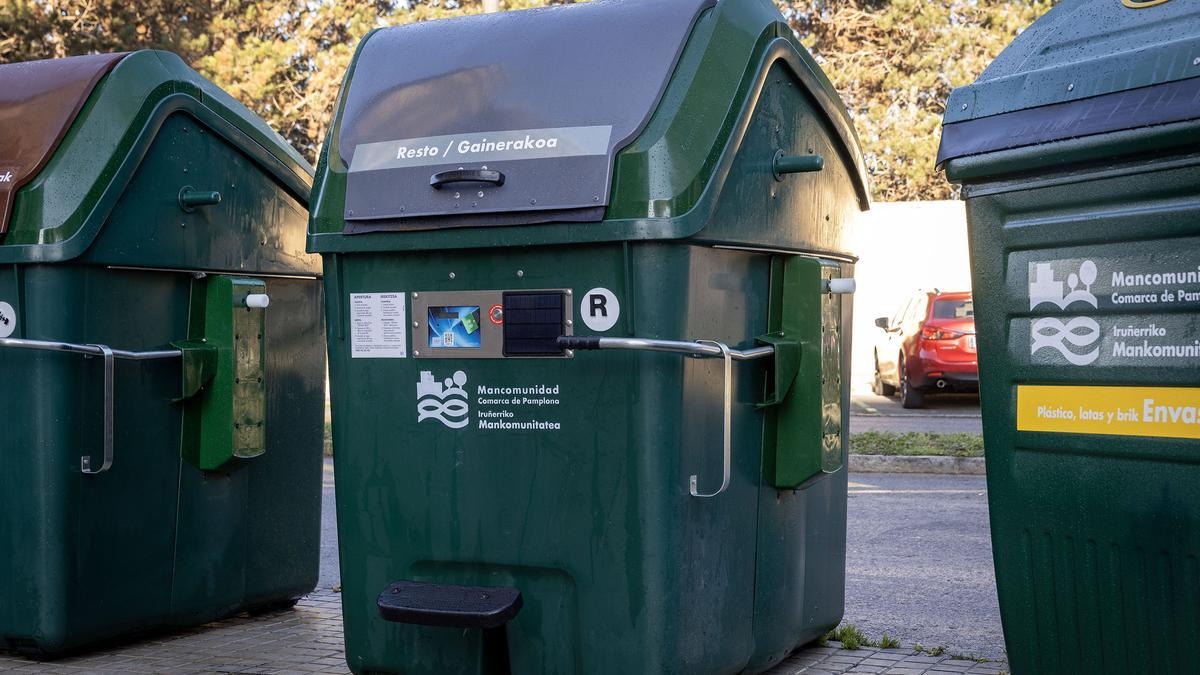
(378, 326)
(1161, 412)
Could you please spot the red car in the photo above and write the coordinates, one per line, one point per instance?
(928, 346)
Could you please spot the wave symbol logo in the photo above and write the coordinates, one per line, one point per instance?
(1080, 331)
(444, 401)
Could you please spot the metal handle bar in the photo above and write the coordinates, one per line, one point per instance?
(109, 355)
(698, 349)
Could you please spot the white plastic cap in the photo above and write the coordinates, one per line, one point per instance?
(842, 286)
(258, 300)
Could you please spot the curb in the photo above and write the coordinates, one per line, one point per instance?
(962, 466)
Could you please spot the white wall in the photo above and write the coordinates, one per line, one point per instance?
(903, 246)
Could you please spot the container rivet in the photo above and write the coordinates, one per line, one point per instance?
(457, 195)
(964, 107)
(415, 295)
(401, 209)
(1070, 87)
(568, 292)
(520, 273)
(595, 198)
(532, 201)
(452, 275)
(484, 167)
(1196, 61)
(473, 204)
(416, 324)
(416, 352)
(350, 212)
(569, 353)
(570, 322)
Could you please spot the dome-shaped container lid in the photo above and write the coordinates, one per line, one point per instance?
(1087, 67)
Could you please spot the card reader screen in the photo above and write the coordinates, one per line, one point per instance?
(454, 327)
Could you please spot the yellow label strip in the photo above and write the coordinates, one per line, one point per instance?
(1162, 412)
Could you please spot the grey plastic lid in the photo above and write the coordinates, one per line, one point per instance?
(518, 114)
(1086, 67)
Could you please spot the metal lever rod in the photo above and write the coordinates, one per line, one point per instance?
(110, 356)
(89, 350)
(698, 349)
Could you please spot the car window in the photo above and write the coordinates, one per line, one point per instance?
(920, 305)
(954, 309)
(901, 314)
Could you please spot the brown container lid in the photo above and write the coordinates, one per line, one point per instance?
(38, 102)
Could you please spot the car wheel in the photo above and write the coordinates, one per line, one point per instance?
(909, 396)
(880, 387)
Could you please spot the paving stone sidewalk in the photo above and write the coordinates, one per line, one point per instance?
(309, 640)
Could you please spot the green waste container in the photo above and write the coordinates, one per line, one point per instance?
(161, 342)
(1076, 151)
(525, 230)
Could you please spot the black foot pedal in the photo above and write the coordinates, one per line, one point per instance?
(449, 605)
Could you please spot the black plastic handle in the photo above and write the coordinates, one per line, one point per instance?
(578, 342)
(437, 180)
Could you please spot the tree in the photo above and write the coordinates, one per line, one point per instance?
(895, 62)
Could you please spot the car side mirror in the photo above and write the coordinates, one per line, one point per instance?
(882, 322)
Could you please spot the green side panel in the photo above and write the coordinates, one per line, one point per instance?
(250, 229)
(804, 430)
(153, 542)
(227, 418)
(1095, 537)
(799, 588)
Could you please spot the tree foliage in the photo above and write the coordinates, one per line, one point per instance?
(893, 61)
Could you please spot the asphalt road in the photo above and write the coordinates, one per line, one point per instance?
(919, 560)
(942, 414)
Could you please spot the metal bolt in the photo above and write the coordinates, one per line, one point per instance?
(473, 204)
(568, 292)
(595, 198)
(1070, 87)
(569, 353)
(350, 212)
(416, 324)
(452, 275)
(457, 195)
(1196, 61)
(532, 201)
(401, 209)
(479, 194)
(416, 352)
(484, 167)
(570, 322)
(520, 273)
(415, 296)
